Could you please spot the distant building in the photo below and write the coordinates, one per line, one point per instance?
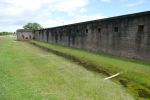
(24, 34)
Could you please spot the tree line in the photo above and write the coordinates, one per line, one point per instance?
(6, 33)
(33, 26)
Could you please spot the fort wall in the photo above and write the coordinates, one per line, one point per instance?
(127, 35)
(24, 34)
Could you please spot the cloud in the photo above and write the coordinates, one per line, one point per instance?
(64, 21)
(15, 13)
(105, 0)
(133, 3)
(18, 6)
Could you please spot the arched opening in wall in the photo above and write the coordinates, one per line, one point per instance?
(39, 35)
(139, 37)
(86, 30)
(23, 36)
(140, 28)
(56, 37)
(30, 37)
(99, 30)
(47, 36)
(42, 34)
(33, 38)
(116, 29)
(26, 38)
(77, 32)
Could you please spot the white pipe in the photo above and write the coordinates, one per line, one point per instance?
(112, 76)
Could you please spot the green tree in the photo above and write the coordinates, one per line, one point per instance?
(32, 26)
(6, 33)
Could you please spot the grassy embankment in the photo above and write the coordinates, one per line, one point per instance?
(135, 73)
(29, 73)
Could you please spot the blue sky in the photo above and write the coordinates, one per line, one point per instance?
(49, 13)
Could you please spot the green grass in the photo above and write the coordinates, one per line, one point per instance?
(29, 73)
(135, 70)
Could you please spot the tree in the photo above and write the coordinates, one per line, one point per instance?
(33, 26)
(6, 33)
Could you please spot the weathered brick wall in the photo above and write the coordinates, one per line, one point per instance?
(24, 34)
(127, 35)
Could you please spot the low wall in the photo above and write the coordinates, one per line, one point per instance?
(127, 35)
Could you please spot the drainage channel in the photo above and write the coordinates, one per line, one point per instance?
(139, 91)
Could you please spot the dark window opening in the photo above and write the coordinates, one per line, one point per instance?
(33, 38)
(30, 36)
(99, 30)
(87, 30)
(47, 35)
(23, 36)
(141, 28)
(26, 38)
(116, 29)
(56, 37)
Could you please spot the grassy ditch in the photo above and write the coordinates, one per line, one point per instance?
(30, 73)
(135, 74)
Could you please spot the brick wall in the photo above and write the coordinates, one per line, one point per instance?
(127, 35)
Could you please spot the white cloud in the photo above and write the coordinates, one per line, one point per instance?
(70, 5)
(58, 21)
(16, 13)
(105, 0)
(83, 10)
(17, 6)
(135, 3)
(132, 3)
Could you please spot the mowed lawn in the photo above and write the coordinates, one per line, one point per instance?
(135, 70)
(29, 73)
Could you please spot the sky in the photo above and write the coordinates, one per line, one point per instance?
(14, 14)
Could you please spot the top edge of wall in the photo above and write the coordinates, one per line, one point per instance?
(105, 19)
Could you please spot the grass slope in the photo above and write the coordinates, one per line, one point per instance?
(29, 73)
(136, 71)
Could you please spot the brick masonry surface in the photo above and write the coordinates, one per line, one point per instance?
(127, 35)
